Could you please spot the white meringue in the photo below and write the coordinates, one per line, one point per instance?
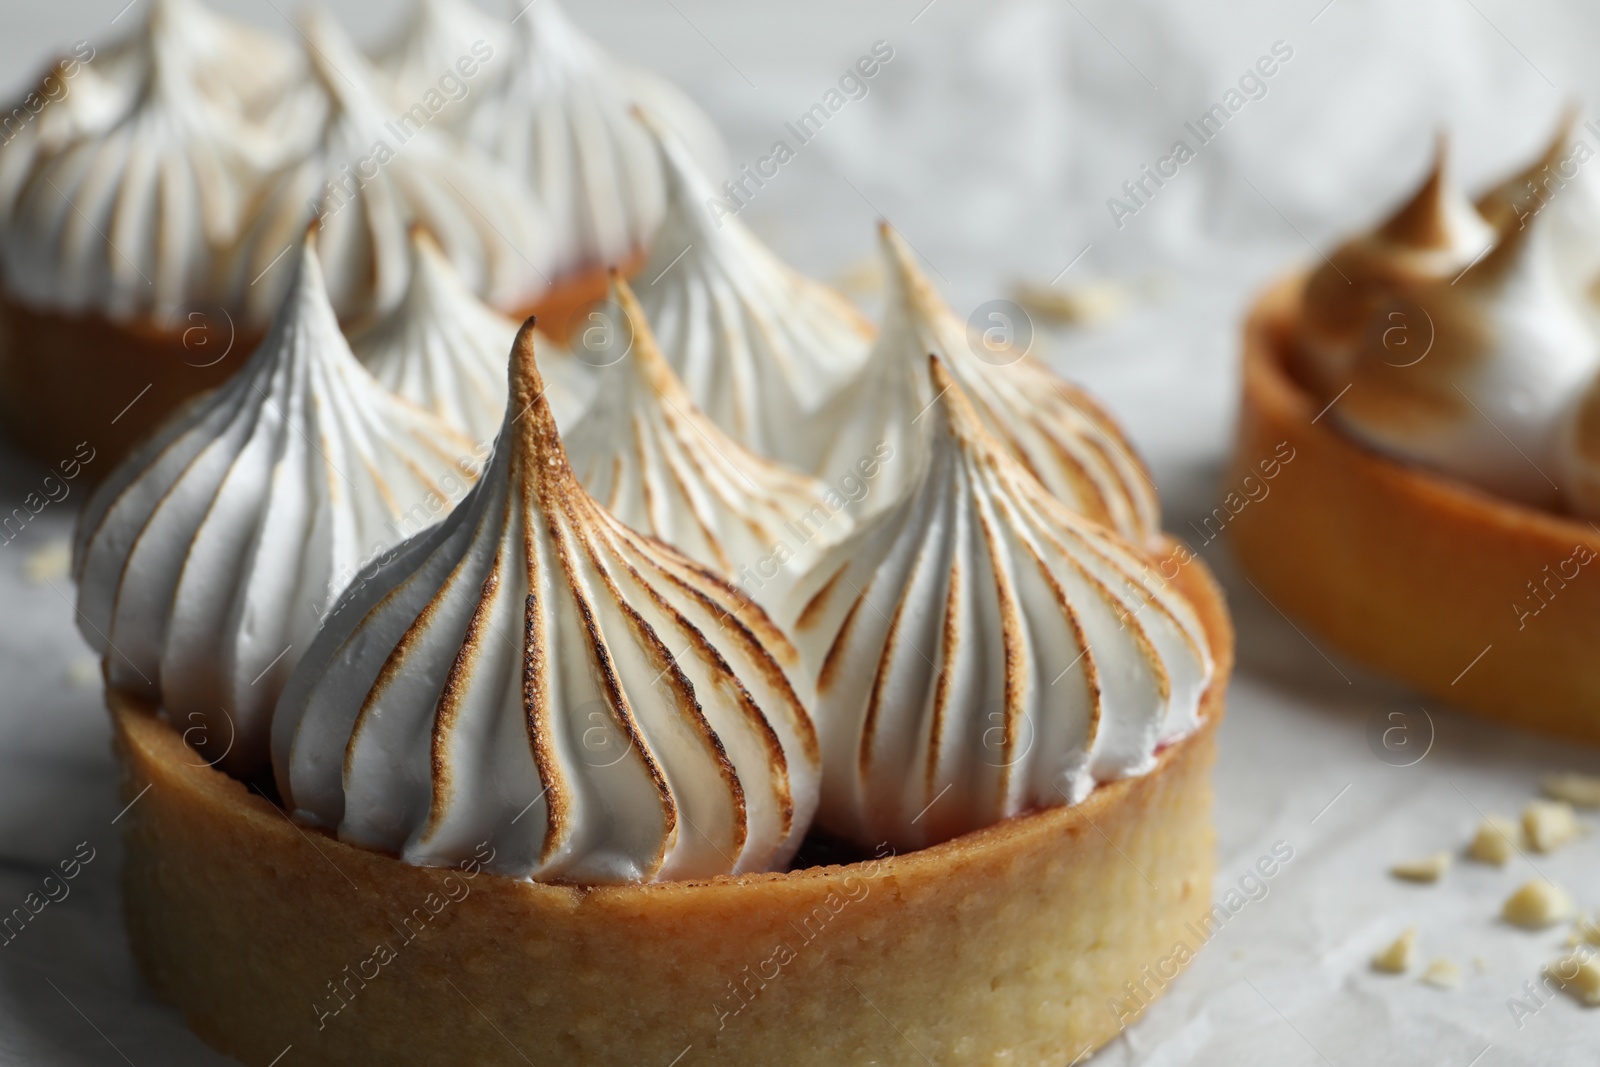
(648, 455)
(445, 40)
(536, 676)
(760, 347)
(206, 561)
(122, 196)
(1437, 233)
(443, 349)
(980, 650)
(560, 120)
(1053, 428)
(371, 175)
(1498, 355)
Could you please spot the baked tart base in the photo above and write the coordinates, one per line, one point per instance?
(561, 310)
(1008, 945)
(67, 379)
(1474, 600)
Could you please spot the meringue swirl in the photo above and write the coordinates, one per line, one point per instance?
(206, 561)
(980, 649)
(535, 675)
(124, 196)
(371, 175)
(442, 39)
(561, 121)
(443, 349)
(1463, 360)
(648, 455)
(760, 347)
(1052, 428)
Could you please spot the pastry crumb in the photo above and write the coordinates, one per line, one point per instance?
(1536, 905)
(1549, 824)
(1442, 974)
(1090, 304)
(1579, 790)
(1579, 974)
(1497, 839)
(51, 562)
(1480, 965)
(1428, 869)
(1586, 930)
(1397, 957)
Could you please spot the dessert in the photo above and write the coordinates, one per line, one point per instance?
(536, 764)
(558, 112)
(1548, 824)
(1496, 840)
(1052, 428)
(760, 347)
(1431, 381)
(652, 460)
(207, 560)
(1428, 869)
(118, 202)
(443, 349)
(535, 658)
(1579, 974)
(979, 650)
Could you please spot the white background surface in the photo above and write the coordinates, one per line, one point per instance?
(992, 140)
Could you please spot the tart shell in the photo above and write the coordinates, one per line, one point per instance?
(1027, 943)
(66, 379)
(560, 309)
(1474, 600)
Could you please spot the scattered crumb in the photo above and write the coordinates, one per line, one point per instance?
(1428, 869)
(1578, 974)
(1579, 790)
(1397, 957)
(1585, 930)
(84, 672)
(1090, 304)
(864, 276)
(1536, 905)
(1497, 839)
(51, 562)
(1549, 824)
(1480, 965)
(1442, 974)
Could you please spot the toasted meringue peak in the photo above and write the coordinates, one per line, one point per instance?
(1562, 191)
(121, 197)
(1052, 428)
(648, 455)
(1491, 362)
(445, 39)
(445, 350)
(1435, 234)
(535, 676)
(560, 119)
(980, 649)
(370, 176)
(206, 561)
(760, 347)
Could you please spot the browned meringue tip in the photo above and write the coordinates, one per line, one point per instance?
(953, 400)
(1500, 205)
(651, 364)
(903, 270)
(1423, 221)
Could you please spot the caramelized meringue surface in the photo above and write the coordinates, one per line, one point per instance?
(207, 561)
(534, 675)
(979, 649)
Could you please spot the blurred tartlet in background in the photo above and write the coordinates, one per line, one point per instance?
(148, 205)
(1429, 401)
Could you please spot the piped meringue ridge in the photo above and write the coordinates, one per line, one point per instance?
(980, 649)
(534, 674)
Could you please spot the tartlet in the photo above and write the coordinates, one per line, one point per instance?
(1003, 944)
(1467, 596)
(1418, 438)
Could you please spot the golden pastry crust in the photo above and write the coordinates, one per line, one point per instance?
(1005, 945)
(1474, 600)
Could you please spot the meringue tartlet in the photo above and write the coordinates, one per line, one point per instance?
(537, 766)
(1434, 384)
